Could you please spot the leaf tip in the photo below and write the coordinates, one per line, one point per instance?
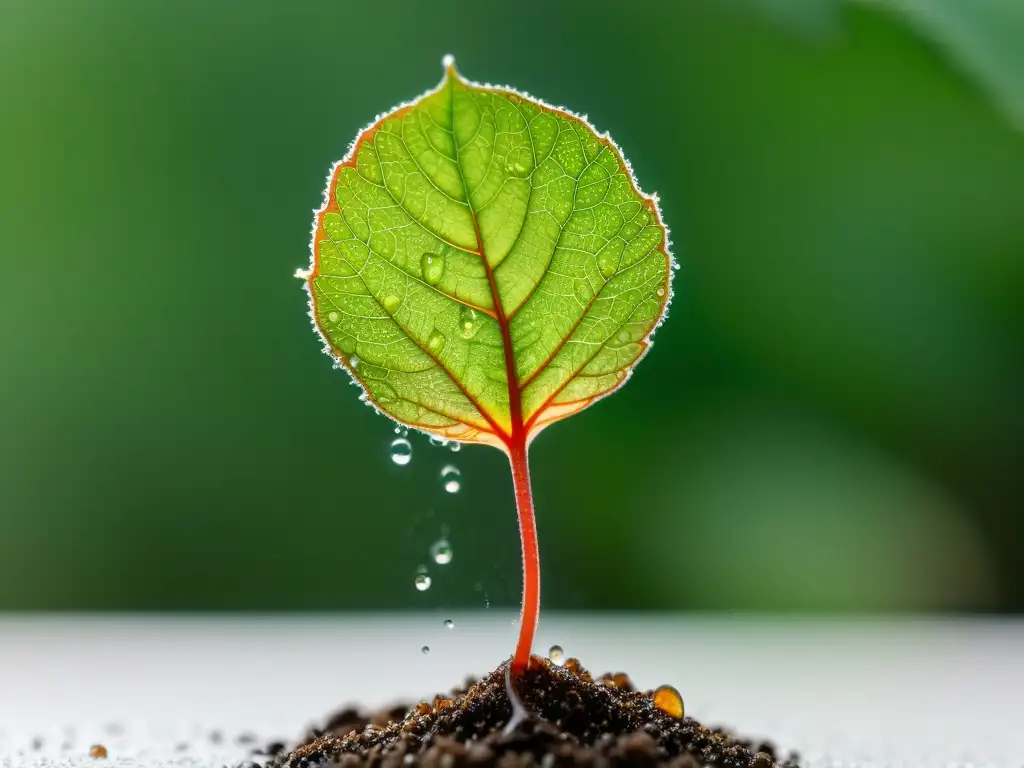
(448, 63)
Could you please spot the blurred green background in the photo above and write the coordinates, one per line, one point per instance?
(831, 418)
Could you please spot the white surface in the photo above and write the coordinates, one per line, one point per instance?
(843, 693)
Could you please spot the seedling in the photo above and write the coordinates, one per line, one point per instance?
(484, 265)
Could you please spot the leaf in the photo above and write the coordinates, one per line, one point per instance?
(984, 38)
(485, 265)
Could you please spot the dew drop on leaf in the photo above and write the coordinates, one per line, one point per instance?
(432, 266)
(347, 344)
(441, 552)
(391, 303)
(467, 323)
(449, 624)
(668, 700)
(556, 654)
(451, 478)
(607, 264)
(660, 292)
(401, 451)
(436, 340)
(354, 362)
(517, 164)
(333, 317)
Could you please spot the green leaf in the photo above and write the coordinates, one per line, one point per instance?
(984, 38)
(484, 264)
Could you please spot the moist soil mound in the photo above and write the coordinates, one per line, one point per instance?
(567, 718)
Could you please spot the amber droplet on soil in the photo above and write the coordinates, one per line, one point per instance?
(668, 700)
(97, 751)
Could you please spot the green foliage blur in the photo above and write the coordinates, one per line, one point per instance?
(830, 419)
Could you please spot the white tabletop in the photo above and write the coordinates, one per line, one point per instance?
(852, 692)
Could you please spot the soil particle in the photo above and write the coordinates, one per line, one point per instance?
(574, 720)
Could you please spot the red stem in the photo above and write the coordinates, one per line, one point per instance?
(531, 555)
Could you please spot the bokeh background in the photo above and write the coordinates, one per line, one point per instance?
(830, 419)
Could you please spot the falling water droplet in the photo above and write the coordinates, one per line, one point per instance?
(432, 267)
(437, 440)
(467, 323)
(401, 451)
(391, 303)
(436, 340)
(425, 649)
(451, 478)
(422, 581)
(556, 654)
(441, 552)
(668, 700)
(449, 624)
(333, 317)
(455, 446)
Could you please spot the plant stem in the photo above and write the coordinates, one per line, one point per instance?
(531, 556)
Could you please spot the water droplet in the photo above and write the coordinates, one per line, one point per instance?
(623, 336)
(333, 317)
(668, 700)
(660, 291)
(455, 446)
(620, 375)
(607, 264)
(451, 478)
(391, 303)
(436, 340)
(441, 552)
(347, 344)
(401, 451)
(556, 654)
(516, 164)
(354, 361)
(467, 323)
(432, 267)
(425, 649)
(449, 624)
(437, 440)
(422, 581)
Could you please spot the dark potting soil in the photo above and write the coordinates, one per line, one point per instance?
(568, 718)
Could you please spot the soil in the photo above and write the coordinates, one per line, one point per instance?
(564, 717)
